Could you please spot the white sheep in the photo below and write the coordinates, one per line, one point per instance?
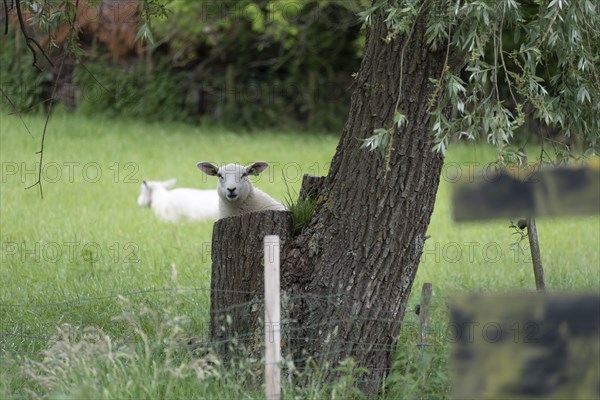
(237, 194)
(181, 203)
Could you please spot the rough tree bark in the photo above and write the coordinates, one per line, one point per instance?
(236, 286)
(350, 272)
(362, 248)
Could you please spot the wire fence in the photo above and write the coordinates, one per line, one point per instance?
(18, 336)
(240, 351)
(234, 334)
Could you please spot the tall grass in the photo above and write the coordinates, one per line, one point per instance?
(126, 290)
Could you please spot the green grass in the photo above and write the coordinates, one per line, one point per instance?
(66, 258)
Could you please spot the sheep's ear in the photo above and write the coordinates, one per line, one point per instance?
(168, 184)
(256, 168)
(208, 168)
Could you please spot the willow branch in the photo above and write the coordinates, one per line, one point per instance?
(41, 151)
(29, 40)
(5, 17)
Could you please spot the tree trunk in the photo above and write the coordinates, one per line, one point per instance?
(347, 277)
(355, 263)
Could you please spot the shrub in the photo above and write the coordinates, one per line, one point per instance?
(25, 85)
(135, 91)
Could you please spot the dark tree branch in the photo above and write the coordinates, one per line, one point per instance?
(29, 40)
(41, 151)
(54, 89)
(5, 17)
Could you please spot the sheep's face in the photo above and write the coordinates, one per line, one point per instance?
(145, 197)
(234, 184)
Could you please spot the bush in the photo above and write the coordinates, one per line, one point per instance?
(24, 85)
(136, 91)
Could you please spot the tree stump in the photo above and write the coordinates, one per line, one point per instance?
(237, 277)
(311, 186)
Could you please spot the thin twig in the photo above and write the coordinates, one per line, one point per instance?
(41, 151)
(443, 73)
(409, 36)
(16, 111)
(503, 62)
(82, 65)
(555, 141)
(497, 47)
(542, 150)
(52, 98)
(539, 45)
(33, 106)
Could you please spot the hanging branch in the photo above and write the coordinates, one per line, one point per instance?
(28, 39)
(38, 182)
(41, 151)
(5, 17)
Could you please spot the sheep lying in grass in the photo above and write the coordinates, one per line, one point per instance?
(181, 203)
(237, 195)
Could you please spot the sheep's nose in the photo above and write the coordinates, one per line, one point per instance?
(231, 195)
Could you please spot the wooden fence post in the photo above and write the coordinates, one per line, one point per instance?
(272, 318)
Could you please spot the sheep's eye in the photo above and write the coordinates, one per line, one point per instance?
(219, 176)
(244, 175)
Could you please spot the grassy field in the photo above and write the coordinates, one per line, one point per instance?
(67, 258)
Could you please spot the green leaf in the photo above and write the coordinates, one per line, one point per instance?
(400, 118)
(145, 33)
(379, 141)
(583, 95)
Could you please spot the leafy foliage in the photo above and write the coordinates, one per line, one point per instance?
(302, 212)
(383, 139)
(564, 34)
(259, 62)
(519, 55)
(524, 59)
(136, 92)
(379, 141)
(419, 373)
(21, 83)
(302, 209)
(250, 63)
